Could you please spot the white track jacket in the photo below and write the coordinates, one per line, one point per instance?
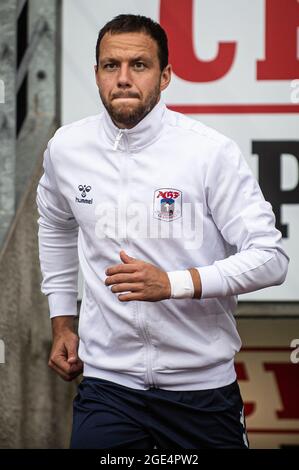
(175, 193)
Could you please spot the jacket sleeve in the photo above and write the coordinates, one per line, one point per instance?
(246, 221)
(57, 242)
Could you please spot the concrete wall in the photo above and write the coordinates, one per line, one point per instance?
(7, 114)
(35, 404)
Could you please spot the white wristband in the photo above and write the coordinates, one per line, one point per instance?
(181, 284)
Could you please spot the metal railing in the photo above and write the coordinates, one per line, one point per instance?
(29, 94)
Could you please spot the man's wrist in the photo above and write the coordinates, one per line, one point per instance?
(196, 283)
(185, 284)
(62, 324)
(181, 284)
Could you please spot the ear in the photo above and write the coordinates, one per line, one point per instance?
(96, 73)
(165, 77)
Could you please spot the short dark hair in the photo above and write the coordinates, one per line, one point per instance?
(127, 23)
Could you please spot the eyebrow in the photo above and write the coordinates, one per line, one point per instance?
(139, 58)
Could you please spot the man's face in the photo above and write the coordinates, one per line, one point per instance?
(129, 77)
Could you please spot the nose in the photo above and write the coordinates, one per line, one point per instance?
(124, 79)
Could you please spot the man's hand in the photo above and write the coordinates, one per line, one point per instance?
(64, 354)
(144, 280)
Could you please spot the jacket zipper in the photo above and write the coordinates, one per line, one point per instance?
(150, 376)
(117, 139)
(126, 155)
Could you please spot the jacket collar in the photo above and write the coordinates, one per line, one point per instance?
(139, 136)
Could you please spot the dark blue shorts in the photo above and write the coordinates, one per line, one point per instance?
(107, 415)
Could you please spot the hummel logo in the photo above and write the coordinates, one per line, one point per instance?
(84, 189)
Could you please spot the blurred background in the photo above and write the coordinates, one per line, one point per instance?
(236, 68)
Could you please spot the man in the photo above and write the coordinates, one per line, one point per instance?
(170, 226)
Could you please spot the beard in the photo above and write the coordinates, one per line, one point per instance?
(129, 115)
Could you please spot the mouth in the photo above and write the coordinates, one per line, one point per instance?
(126, 98)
